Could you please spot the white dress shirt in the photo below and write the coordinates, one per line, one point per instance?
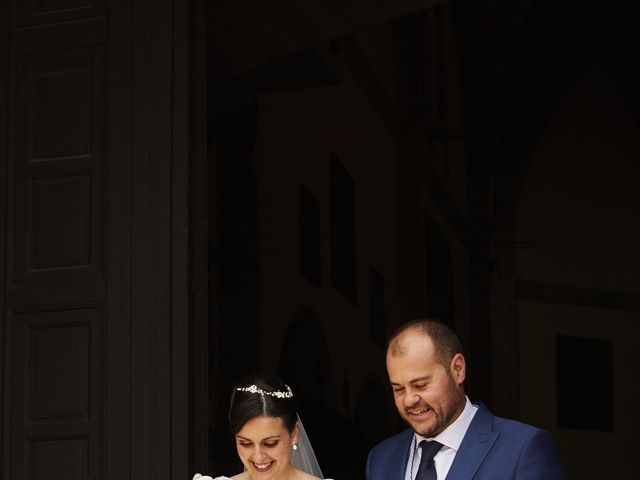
(451, 438)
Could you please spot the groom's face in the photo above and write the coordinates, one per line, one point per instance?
(428, 395)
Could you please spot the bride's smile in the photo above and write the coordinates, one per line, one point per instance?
(263, 467)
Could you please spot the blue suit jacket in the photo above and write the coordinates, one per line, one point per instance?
(493, 448)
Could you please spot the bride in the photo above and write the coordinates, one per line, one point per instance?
(270, 439)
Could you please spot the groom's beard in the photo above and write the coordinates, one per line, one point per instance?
(439, 417)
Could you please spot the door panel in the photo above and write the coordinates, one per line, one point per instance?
(53, 283)
(43, 12)
(94, 223)
(57, 378)
(58, 176)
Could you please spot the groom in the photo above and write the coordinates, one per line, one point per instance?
(449, 436)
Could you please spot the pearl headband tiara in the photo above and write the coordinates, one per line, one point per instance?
(277, 393)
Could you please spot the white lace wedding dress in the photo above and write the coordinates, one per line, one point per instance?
(197, 476)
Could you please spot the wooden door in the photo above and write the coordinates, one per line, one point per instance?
(94, 123)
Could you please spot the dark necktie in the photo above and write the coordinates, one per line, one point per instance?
(427, 470)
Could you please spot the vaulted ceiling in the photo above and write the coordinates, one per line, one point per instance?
(243, 34)
(521, 58)
(518, 58)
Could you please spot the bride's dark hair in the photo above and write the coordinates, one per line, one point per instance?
(261, 395)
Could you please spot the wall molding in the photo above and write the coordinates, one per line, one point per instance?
(578, 296)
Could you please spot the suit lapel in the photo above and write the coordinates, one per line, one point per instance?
(400, 456)
(477, 442)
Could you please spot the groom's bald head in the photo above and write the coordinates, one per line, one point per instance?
(444, 339)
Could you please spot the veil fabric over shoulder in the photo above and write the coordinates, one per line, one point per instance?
(303, 457)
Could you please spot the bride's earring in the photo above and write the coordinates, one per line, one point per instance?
(295, 447)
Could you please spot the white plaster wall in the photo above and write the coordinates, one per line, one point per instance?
(579, 208)
(298, 131)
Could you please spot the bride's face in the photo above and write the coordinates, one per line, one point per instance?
(264, 446)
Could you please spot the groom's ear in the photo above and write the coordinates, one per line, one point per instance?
(458, 368)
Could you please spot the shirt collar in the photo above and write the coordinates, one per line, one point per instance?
(452, 436)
